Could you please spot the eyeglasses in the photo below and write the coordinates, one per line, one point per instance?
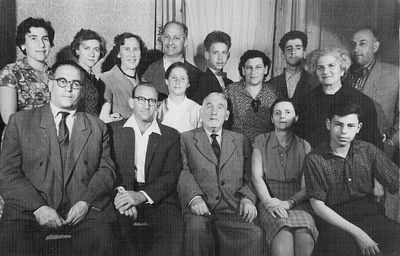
(142, 100)
(255, 104)
(62, 82)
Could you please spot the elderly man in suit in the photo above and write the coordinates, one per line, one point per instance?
(294, 82)
(147, 156)
(214, 187)
(56, 174)
(216, 46)
(174, 41)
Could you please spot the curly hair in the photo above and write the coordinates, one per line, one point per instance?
(120, 40)
(291, 35)
(340, 54)
(250, 54)
(84, 35)
(25, 27)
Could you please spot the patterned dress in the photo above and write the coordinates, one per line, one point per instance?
(282, 174)
(30, 84)
(247, 118)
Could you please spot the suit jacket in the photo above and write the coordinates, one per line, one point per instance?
(382, 86)
(162, 165)
(30, 164)
(306, 83)
(155, 74)
(206, 84)
(203, 175)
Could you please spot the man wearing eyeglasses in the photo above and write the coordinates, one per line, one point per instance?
(147, 156)
(56, 174)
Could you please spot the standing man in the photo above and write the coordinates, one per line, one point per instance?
(147, 156)
(379, 81)
(56, 173)
(216, 45)
(174, 41)
(215, 189)
(294, 82)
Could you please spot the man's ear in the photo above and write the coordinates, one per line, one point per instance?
(328, 124)
(185, 42)
(375, 46)
(359, 127)
(51, 84)
(226, 115)
(130, 102)
(206, 55)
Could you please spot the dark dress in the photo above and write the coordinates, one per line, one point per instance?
(92, 93)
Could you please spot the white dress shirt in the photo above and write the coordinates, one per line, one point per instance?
(57, 117)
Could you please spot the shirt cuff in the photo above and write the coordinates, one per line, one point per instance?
(194, 198)
(149, 201)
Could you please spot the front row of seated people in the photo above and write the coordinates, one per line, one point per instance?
(64, 171)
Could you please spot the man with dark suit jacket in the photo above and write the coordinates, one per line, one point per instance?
(215, 189)
(294, 83)
(147, 156)
(216, 46)
(56, 174)
(174, 41)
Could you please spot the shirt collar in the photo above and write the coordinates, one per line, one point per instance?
(325, 148)
(55, 110)
(171, 105)
(23, 63)
(219, 133)
(153, 128)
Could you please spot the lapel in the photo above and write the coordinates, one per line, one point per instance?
(79, 136)
(152, 145)
(49, 139)
(127, 140)
(204, 146)
(212, 80)
(227, 148)
(282, 85)
(372, 84)
(301, 84)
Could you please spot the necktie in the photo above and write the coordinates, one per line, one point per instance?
(215, 145)
(220, 73)
(63, 140)
(63, 133)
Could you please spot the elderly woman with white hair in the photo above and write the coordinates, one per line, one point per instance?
(330, 66)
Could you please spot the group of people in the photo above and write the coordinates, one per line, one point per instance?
(292, 166)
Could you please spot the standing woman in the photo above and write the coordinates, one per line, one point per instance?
(129, 49)
(251, 98)
(277, 161)
(88, 48)
(24, 84)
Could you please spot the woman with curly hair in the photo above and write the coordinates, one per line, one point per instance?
(128, 51)
(88, 48)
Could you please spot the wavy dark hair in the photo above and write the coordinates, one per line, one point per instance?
(84, 35)
(251, 54)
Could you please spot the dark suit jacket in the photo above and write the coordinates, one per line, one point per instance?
(206, 84)
(30, 164)
(203, 175)
(162, 166)
(306, 83)
(155, 75)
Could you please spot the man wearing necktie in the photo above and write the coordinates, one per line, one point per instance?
(56, 174)
(214, 187)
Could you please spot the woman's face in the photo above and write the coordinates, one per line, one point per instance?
(254, 71)
(328, 70)
(129, 53)
(178, 81)
(88, 53)
(283, 115)
(37, 44)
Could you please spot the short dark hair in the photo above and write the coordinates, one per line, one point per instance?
(25, 27)
(291, 35)
(250, 54)
(217, 37)
(373, 31)
(120, 40)
(143, 84)
(175, 65)
(295, 106)
(68, 63)
(344, 107)
(84, 35)
(183, 25)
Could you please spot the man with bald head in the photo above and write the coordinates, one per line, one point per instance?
(379, 81)
(174, 41)
(215, 189)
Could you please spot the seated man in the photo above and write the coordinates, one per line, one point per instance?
(216, 46)
(56, 174)
(215, 189)
(339, 177)
(147, 156)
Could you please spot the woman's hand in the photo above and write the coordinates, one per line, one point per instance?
(277, 207)
(366, 244)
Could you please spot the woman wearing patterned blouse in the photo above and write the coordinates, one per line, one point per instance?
(277, 160)
(250, 99)
(24, 84)
(88, 48)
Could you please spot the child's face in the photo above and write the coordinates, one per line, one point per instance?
(217, 56)
(343, 129)
(178, 81)
(283, 115)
